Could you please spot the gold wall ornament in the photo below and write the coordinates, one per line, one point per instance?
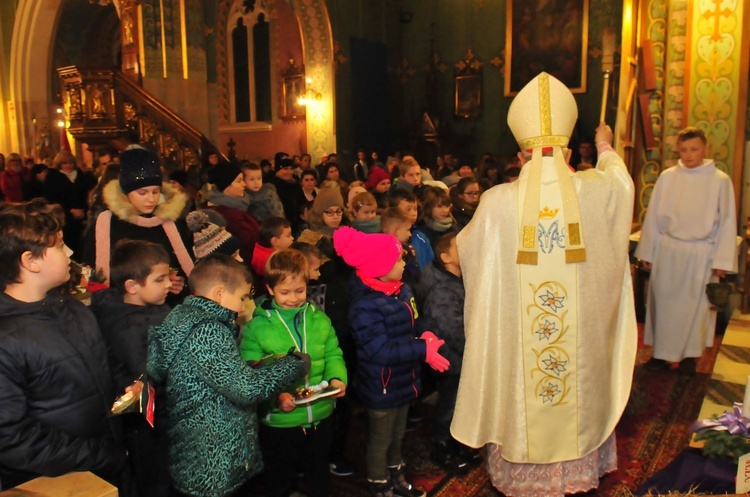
(468, 87)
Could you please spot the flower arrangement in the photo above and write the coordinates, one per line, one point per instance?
(726, 436)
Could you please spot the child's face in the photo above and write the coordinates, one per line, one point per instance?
(450, 259)
(413, 176)
(55, 263)
(290, 293)
(236, 188)
(692, 152)
(235, 301)
(403, 232)
(440, 212)
(470, 196)
(253, 179)
(396, 272)
(366, 213)
(284, 240)
(155, 289)
(383, 186)
(309, 182)
(332, 216)
(409, 209)
(145, 199)
(314, 264)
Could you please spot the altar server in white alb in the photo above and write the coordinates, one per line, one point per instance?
(688, 240)
(550, 322)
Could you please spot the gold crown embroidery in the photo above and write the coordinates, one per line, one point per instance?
(547, 213)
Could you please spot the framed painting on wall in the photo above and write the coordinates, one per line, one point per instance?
(549, 36)
(468, 102)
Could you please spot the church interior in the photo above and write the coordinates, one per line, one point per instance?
(245, 79)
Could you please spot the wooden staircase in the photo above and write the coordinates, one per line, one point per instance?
(104, 107)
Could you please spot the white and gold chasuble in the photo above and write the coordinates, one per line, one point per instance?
(550, 348)
(549, 331)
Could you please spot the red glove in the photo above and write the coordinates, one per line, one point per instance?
(432, 357)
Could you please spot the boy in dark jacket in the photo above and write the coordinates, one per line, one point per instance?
(55, 383)
(211, 391)
(139, 275)
(442, 291)
(382, 315)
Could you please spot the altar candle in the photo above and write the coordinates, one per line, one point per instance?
(746, 402)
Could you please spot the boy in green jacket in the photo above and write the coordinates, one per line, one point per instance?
(297, 427)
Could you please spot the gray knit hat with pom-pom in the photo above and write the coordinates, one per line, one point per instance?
(209, 237)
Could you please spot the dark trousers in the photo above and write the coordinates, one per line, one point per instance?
(284, 449)
(342, 415)
(385, 437)
(148, 456)
(447, 387)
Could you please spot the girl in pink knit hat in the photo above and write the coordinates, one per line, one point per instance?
(391, 344)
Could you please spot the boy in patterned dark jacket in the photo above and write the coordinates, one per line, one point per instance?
(211, 391)
(383, 318)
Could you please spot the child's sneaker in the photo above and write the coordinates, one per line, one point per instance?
(341, 467)
(380, 488)
(448, 458)
(402, 487)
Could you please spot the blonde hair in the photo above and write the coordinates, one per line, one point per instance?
(63, 156)
(407, 163)
(286, 263)
(362, 199)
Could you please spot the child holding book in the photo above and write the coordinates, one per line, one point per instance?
(211, 391)
(294, 434)
(139, 279)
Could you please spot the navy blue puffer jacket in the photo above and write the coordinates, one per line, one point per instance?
(385, 331)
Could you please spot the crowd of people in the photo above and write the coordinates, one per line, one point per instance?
(257, 303)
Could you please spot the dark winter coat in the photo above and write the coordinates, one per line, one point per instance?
(462, 215)
(242, 225)
(292, 198)
(385, 330)
(443, 296)
(55, 392)
(124, 219)
(125, 328)
(58, 189)
(211, 397)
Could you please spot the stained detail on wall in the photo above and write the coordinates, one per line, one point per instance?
(405, 71)
(499, 61)
(339, 58)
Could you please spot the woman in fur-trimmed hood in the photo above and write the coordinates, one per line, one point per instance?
(141, 207)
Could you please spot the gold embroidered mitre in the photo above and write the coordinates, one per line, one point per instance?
(543, 115)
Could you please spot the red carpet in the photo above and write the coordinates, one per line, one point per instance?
(652, 431)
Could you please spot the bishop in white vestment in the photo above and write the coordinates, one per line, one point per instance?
(549, 317)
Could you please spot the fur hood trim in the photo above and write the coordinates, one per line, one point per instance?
(169, 210)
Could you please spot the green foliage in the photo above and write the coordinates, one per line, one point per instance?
(723, 445)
